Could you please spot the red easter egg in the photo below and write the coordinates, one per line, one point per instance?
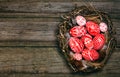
(80, 20)
(78, 31)
(77, 56)
(99, 41)
(76, 44)
(87, 40)
(92, 28)
(90, 55)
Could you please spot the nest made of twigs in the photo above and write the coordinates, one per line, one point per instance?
(91, 15)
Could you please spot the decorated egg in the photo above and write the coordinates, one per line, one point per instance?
(92, 28)
(81, 21)
(76, 44)
(90, 55)
(99, 41)
(78, 31)
(87, 40)
(77, 56)
(103, 27)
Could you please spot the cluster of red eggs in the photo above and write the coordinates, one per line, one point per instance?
(87, 38)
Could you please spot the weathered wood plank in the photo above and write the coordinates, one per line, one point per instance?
(55, 7)
(58, 0)
(28, 31)
(44, 60)
(30, 15)
(31, 60)
(36, 44)
(60, 75)
(27, 23)
(34, 33)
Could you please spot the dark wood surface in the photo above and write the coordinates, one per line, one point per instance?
(28, 44)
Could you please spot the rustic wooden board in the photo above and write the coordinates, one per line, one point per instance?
(16, 33)
(28, 43)
(31, 60)
(54, 7)
(58, 0)
(60, 75)
(44, 60)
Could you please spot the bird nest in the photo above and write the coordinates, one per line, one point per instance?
(84, 64)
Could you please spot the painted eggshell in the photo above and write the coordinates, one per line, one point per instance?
(77, 56)
(76, 44)
(87, 40)
(92, 28)
(81, 21)
(99, 41)
(90, 55)
(78, 31)
(103, 27)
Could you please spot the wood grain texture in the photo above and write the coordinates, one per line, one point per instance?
(35, 31)
(31, 60)
(44, 60)
(60, 75)
(55, 7)
(28, 44)
(16, 33)
(58, 0)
